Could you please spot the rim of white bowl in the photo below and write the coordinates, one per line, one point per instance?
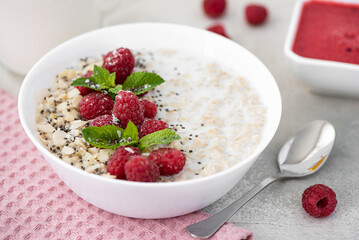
(292, 31)
(260, 148)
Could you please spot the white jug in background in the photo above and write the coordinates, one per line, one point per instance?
(29, 29)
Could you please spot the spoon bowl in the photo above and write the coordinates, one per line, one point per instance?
(303, 154)
(308, 150)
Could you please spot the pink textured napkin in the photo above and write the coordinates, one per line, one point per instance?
(36, 204)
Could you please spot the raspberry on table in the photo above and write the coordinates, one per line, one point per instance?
(141, 169)
(319, 200)
(219, 29)
(256, 14)
(127, 107)
(214, 8)
(105, 120)
(84, 90)
(151, 126)
(170, 161)
(116, 164)
(149, 108)
(95, 104)
(121, 62)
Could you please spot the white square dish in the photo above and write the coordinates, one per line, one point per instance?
(322, 76)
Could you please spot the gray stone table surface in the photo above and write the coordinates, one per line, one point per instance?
(276, 213)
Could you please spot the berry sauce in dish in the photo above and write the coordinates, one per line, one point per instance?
(328, 31)
(217, 116)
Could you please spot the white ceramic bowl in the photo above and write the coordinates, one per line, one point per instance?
(322, 76)
(149, 200)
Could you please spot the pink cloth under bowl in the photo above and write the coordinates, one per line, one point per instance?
(36, 204)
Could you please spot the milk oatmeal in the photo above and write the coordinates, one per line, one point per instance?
(217, 114)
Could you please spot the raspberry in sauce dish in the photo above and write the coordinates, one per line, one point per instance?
(322, 45)
(180, 131)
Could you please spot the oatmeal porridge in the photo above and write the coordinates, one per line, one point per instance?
(216, 113)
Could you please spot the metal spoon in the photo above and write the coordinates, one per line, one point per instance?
(302, 155)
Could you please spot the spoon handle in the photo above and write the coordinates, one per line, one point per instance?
(207, 227)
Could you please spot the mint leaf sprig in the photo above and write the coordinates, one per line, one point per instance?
(140, 82)
(103, 81)
(112, 137)
(165, 136)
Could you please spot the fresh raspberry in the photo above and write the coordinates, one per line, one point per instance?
(151, 126)
(141, 169)
(214, 8)
(219, 29)
(256, 14)
(170, 161)
(319, 200)
(116, 164)
(121, 62)
(84, 90)
(127, 107)
(104, 120)
(95, 104)
(149, 108)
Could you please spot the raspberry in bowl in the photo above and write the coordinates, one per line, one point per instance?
(185, 102)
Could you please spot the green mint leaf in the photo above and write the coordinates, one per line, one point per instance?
(131, 132)
(101, 81)
(115, 90)
(164, 136)
(104, 78)
(88, 82)
(141, 82)
(109, 136)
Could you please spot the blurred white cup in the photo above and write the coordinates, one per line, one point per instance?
(28, 29)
